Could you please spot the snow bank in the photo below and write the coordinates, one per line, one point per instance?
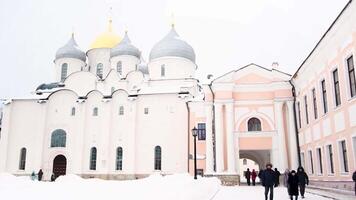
(172, 187)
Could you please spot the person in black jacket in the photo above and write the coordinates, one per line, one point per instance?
(293, 185)
(268, 181)
(248, 176)
(278, 174)
(302, 180)
(40, 174)
(354, 179)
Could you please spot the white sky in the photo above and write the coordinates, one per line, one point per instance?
(225, 34)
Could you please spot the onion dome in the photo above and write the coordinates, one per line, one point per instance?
(71, 50)
(172, 45)
(108, 39)
(125, 48)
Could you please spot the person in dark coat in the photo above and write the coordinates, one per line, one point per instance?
(354, 179)
(278, 174)
(293, 185)
(248, 176)
(260, 175)
(253, 176)
(268, 181)
(302, 180)
(40, 174)
(53, 177)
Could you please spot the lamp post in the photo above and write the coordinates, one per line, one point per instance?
(195, 133)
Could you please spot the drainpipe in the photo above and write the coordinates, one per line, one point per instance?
(213, 125)
(188, 111)
(296, 123)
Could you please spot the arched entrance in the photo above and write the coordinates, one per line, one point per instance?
(253, 159)
(59, 165)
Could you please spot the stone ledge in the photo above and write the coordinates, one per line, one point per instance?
(226, 179)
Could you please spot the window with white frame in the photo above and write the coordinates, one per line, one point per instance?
(64, 71)
(163, 70)
(201, 131)
(72, 113)
(99, 70)
(343, 156)
(93, 156)
(319, 160)
(311, 162)
(330, 158)
(324, 96)
(299, 116)
(302, 158)
(351, 76)
(95, 111)
(315, 106)
(306, 109)
(119, 67)
(22, 160)
(121, 110)
(146, 110)
(336, 87)
(119, 153)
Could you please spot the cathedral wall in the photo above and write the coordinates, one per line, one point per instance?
(175, 68)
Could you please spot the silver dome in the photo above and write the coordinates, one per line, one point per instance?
(172, 45)
(125, 48)
(71, 50)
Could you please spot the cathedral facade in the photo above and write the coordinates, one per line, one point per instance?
(111, 115)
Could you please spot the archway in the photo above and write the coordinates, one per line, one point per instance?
(252, 159)
(59, 165)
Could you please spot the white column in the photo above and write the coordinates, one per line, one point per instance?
(209, 161)
(293, 149)
(219, 145)
(229, 116)
(282, 150)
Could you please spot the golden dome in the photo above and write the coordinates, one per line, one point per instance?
(108, 39)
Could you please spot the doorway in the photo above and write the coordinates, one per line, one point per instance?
(59, 165)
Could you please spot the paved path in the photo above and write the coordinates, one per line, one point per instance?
(257, 193)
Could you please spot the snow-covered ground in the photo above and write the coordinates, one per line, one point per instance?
(173, 187)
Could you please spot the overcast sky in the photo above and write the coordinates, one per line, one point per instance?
(225, 34)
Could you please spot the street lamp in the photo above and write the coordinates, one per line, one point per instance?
(195, 133)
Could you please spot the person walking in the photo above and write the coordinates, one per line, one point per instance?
(248, 176)
(278, 174)
(40, 174)
(253, 176)
(259, 175)
(293, 185)
(33, 175)
(285, 179)
(302, 180)
(53, 177)
(354, 179)
(268, 181)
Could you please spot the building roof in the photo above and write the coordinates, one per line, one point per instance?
(71, 50)
(125, 48)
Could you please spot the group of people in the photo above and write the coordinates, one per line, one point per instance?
(39, 176)
(294, 181)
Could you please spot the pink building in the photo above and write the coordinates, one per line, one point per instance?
(325, 91)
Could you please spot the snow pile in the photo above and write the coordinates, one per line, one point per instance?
(172, 187)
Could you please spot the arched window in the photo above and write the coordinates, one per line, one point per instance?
(121, 110)
(95, 111)
(119, 158)
(58, 138)
(99, 70)
(64, 71)
(158, 158)
(163, 70)
(93, 158)
(72, 111)
(22, 163)
(254, 124)
(119, 67)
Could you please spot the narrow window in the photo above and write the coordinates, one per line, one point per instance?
(121, 110)
(95, 111)
(58, 138)
(72, 111)
(330, 158)
(119, 153)
(22, 163)
(315, 106)
(99, 70)
(119, 67)
(344, 159)
(254, 124)
(336, 88)
(93, 158)
(146, 111)
(320, 160)
(64, 71)
(325, 98)
(306, 109)
(163, 70)
(201, 131)
(311, 163)
(299, 116)
(351, 72)
(158, 156)
(302, 157)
